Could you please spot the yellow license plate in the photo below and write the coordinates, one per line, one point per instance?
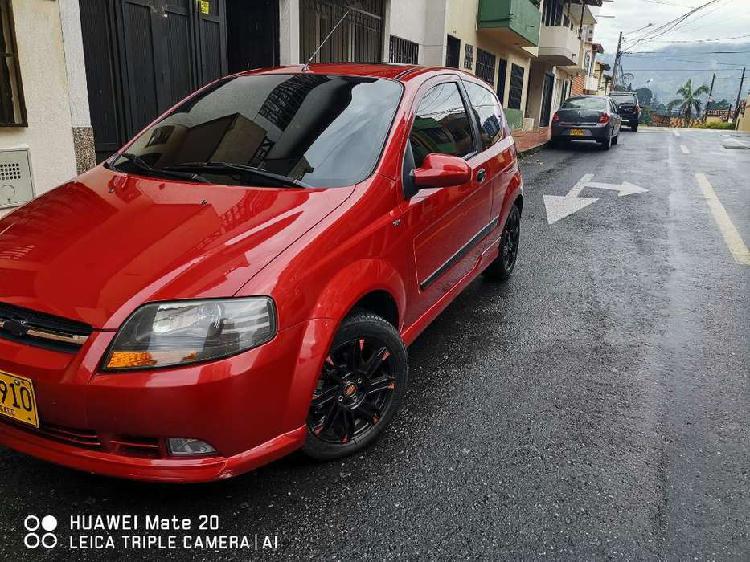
(17, 399)
(577, 133)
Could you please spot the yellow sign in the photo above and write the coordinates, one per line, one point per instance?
(205, 7)
(17, 400)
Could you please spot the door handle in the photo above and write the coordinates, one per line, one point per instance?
(481, 175)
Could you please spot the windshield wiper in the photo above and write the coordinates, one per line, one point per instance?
(144, 166)
(229, 167)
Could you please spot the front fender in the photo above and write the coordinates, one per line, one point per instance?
(334, 303)
(353, 282)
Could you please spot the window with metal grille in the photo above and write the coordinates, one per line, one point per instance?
(403, 51)
(486, 66)
(469, 58)
(12, 106)
(453, 52)
(359, 38)
(516, 86)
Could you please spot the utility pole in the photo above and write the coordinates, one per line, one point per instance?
(739, 96)
(710, 93)
(615, 67)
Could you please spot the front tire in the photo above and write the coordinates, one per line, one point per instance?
(502, 268)
(361, 387)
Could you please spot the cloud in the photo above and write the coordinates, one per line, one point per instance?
(727, 18)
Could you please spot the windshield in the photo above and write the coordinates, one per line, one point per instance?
(623, 98)
(596, 104)
(320, 131)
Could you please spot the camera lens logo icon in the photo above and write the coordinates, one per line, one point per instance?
(40, 532)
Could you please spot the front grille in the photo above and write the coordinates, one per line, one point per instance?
(78, 437)
(41, 329)
(126, 445)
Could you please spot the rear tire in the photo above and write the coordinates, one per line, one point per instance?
(616, 139)
(607, 143)
(502, 268)
(361, 387)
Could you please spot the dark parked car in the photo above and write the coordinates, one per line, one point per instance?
(628, 107)
(587, 118)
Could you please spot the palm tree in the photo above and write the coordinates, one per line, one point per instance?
(688, 100)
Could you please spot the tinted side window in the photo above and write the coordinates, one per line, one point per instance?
(441, 124)
(489, 113)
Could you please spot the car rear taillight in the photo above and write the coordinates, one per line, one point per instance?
(555, 117)
(604, 118)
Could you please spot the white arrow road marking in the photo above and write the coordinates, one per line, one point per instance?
(560, 207)
(625, 188)
(685, 149)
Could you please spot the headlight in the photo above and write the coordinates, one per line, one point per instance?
(178, 333)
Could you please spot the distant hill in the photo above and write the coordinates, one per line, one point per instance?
(670, 67)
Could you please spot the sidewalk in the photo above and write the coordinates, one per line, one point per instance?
(529, 141)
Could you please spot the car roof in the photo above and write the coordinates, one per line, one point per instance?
(399, 72)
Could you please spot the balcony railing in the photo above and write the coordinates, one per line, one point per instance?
(514, 21)
(559, 45)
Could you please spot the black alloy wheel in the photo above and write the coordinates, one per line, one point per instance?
(502, 268)
(359, 390)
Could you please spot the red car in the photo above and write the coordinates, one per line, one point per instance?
(243, 278)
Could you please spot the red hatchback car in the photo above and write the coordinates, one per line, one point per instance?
(243, 278)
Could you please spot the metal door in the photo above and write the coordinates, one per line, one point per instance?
(142, 56)
(549, 85)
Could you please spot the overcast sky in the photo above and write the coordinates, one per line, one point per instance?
(726, 18)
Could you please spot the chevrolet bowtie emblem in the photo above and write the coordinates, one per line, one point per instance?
(17, 328)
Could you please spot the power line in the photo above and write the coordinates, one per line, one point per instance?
(702, 40)
(671, 25)
(691, 54)
(684, 69)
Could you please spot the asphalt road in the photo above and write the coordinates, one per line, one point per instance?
(596, 406)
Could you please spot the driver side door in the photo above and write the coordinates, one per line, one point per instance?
(448, 221)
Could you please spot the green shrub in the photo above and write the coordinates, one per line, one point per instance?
(717, 125)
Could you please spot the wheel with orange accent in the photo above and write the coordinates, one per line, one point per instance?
(502, 268)
(361, 387)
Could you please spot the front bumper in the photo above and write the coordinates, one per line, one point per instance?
(251, 408)
(188, 470)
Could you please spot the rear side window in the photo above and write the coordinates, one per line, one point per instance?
(441, 124)
(595, 104)
(489, 113)
(624, 98)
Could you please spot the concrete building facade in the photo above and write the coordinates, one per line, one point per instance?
(86, 75)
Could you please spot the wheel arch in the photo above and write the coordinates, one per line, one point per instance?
(370, 284)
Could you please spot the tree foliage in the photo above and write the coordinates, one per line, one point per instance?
(689, 103)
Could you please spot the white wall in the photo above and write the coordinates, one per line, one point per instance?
(49, 135)
(70, 16)
(419, 21)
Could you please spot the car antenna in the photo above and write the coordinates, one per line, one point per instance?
(306, 68)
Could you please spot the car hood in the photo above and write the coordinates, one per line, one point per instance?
(96, 248)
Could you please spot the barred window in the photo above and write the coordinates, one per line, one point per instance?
(403, 51)
(516, 86)
(469, 57)
(12, 106)
(486, 66)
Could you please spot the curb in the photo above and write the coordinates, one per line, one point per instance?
(530, 151)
